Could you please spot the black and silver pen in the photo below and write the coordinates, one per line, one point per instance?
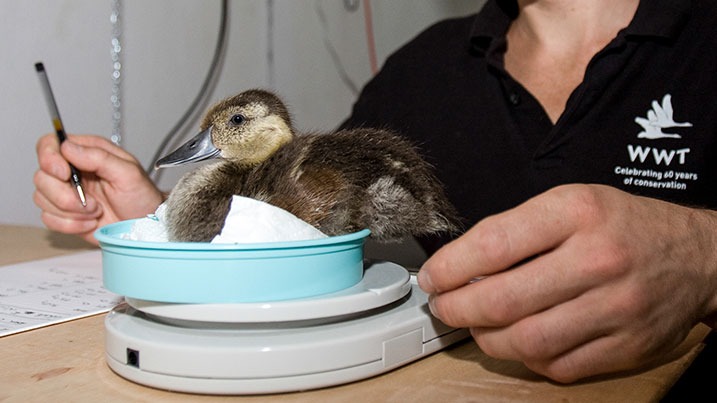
(59, 129)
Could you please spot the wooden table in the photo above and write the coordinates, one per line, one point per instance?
(66, 362)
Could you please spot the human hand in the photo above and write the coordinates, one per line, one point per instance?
(114, 182)
(615, 280)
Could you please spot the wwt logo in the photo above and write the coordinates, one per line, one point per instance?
(659, 156)
(658, 118)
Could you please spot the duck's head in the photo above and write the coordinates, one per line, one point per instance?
(246, 128)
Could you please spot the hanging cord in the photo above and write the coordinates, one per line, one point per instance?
(338, 65)
(350, 6)
(116, 54)
(211, 77)
(270, 66)
(369, 36)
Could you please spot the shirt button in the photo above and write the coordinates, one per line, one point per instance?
(514, 99)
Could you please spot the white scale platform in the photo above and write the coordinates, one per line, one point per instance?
(379, 324)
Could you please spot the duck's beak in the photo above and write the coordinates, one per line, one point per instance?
(199, 148)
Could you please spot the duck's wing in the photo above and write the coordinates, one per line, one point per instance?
(294, 180)
(200, 201)
(391, 189)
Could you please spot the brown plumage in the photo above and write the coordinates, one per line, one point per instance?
(339, 182)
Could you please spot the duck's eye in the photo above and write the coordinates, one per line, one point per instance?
(236, 120)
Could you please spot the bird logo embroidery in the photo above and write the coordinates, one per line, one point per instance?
(658, 118)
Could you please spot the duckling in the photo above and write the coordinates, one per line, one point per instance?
(339, 182)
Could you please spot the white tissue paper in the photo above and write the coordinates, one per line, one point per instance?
(251, 220)
(248, 221)
(150, 228)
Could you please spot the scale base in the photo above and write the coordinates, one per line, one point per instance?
(259, 358)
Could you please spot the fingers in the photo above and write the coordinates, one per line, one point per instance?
(69, 225)
(50, 159)
(55, 162)
(106, 164)
(576, 266)
(102, 143)
(115, 184)
(582, 337)
(500, 241)
(550, 333)
(602, 355)
(60, 198)
(61, 208)
(506, 297)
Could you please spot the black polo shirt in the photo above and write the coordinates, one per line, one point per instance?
(643, 120)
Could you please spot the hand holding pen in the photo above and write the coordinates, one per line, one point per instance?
(114, 184)
(59, 128)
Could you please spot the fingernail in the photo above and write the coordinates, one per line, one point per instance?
(74, 147)
(93, 207)
(90, 225)
(431, 305)
(424, 281)
(56, 171)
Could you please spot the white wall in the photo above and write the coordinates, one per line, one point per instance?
(167, 47)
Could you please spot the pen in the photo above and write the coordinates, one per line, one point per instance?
(59, 129)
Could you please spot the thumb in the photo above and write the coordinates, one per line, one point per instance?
(98, 161)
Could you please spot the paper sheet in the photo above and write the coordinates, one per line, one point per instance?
(44, 292)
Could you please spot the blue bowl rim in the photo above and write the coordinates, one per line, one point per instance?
(101, 234)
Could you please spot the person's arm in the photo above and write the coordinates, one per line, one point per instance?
(115, 184)
(599, 280)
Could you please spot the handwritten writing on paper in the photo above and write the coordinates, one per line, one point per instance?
(49, 291)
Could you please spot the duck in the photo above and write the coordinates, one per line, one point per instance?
(338, 181)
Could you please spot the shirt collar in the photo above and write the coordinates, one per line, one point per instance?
(490, 27)
(654, 18)
(660, 18)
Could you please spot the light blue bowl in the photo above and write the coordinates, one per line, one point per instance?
(198, 272)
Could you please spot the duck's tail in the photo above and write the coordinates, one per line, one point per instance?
(393, 212)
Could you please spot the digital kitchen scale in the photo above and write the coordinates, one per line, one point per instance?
(250, 346)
